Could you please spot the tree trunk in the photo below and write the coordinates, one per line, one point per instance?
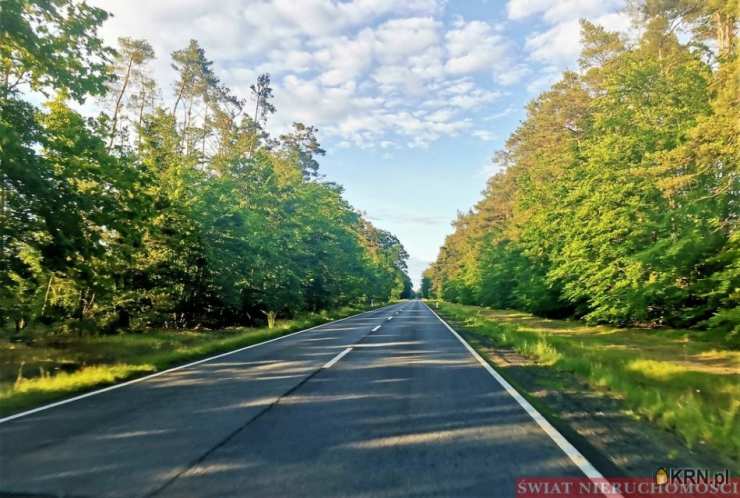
(3, 202)
(271, 318)
(256, 125)
(205, 133)
(118, 103)
(46, 295)
(141, 119)
(724, 32)
(88, 306)
(177, 100)
(6, 83)
(185, 131)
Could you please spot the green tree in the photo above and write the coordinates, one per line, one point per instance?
(202, 219)
(618, 201)
(129, 65)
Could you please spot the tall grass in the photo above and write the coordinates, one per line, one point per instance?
(29, 392)
(662, 376)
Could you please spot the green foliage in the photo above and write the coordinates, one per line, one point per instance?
(426, 286)
(52, 45)
(144, 216)
(619, 199)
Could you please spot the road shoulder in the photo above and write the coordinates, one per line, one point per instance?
(596, 423)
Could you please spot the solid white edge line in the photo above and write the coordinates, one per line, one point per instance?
(576, 457)
(338, 357)
(375, 329)
(169, 370)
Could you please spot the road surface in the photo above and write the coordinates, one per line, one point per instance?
(407, 411)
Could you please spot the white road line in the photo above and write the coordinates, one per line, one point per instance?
(576, 457)
(173, 369)
(338, 357)
(375, 328)
(389, 318)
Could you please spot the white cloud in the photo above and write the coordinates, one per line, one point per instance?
(279, 62)
(233, 29)
(473, 46)
(398, 39)
(441, 115)
(485, 135)
(460, 86)
(519, 9)
(366, 72)
(554, 11)
(398, 65)
(311, 102)
(511, 75)
(560, 43)
(500, 114)
(617, 21)
(394, 78)
(490, 168)
(344, 57)
(474, 99)
(545, 78)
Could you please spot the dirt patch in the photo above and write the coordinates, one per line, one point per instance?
(596, 422)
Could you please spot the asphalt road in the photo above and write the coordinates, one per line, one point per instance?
(408, 411)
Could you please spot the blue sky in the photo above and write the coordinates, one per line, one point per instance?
(411, 97)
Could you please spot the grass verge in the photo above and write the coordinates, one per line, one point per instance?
(47, 368)
(677, 379)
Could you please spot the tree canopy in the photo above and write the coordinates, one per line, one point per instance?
(618, 198)
(156, 214)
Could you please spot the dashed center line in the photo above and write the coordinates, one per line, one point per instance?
(338, 357)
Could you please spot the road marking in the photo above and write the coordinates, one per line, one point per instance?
(576, 457)
(173, 369)
(375, 328)
(389, 318)
(338, 357)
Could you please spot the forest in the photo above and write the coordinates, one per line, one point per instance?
(167, 206)
(617, 196)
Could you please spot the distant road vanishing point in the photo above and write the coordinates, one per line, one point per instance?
(386, 403)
